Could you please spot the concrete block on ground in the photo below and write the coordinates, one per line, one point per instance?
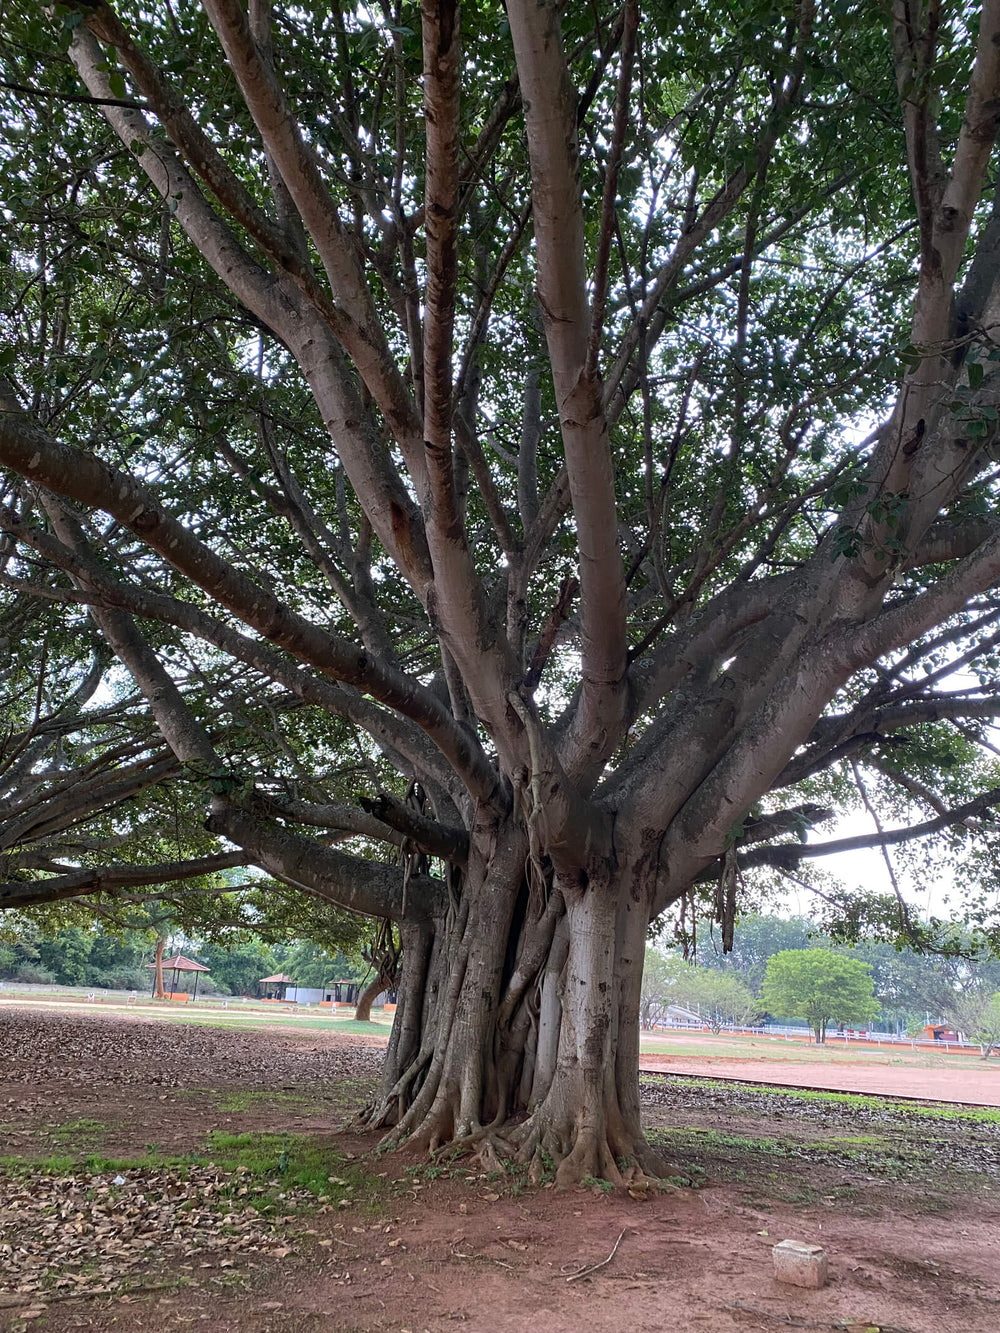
(800, 1264)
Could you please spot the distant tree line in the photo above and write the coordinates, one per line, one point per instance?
(957, 987)
(93, 956)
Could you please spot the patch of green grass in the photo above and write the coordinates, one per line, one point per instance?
(75, 1130)
(269, 1165)
(596, 1182)
(377, 1025)
(292, 1161)
(714, 1138)
(859, 1140)
(377, 1029)
(776, 1166)
(933, 1205)
(49, 1166)
(986, 1116)
(718, 1146)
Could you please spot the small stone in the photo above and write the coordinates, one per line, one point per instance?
(799, 1264)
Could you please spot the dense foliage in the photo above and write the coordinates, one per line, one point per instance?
(820, 986)
(89, 955)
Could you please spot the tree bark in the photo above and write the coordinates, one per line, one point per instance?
(363, 1012)
(517, 1029)
(159, 992)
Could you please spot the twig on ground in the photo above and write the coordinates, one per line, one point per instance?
(487, 1257)
(585, 1272)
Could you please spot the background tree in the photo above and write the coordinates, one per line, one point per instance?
(659, 977)
(718, 997)
(759, 935)
(984, 1026)
(477, 415)
(238, 965)
(384, 958)
(820, 986)
(315, 966)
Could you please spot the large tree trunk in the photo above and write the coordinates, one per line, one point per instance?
(517, 1029)
(159, 993)
(363, 1012)
(384, 957)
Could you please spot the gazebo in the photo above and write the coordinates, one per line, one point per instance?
(179, 964)
(277, 983)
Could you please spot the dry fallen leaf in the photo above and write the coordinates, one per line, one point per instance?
(74, 1233)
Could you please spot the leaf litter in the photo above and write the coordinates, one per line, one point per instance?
(83, 1233)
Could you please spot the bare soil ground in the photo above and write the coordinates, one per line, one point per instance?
(159, 1176)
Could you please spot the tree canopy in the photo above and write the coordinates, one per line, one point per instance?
(508, 473)
(820, 986)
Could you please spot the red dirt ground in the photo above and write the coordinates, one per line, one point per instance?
(977, 1087)
(906, 1256)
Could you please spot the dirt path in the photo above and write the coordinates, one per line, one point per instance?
(977, 1087)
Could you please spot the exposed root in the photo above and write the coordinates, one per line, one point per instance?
(590, 1156)
(536, 1171)
(653, 1165)
(576, 1150)
(491, 1153)
(487, 1147)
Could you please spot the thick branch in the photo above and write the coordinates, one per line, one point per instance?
(550, 119)
(87, 479)
(80, 883)
(361, 333)
(790, 853)
(304, 325)
(362, 886)
(451, 844)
